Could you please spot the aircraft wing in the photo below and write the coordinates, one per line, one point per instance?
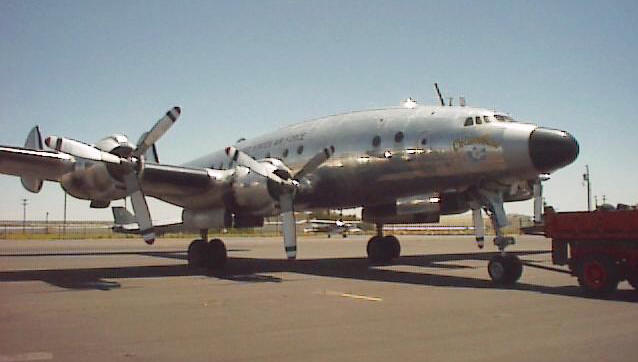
(186, 186)
(24, 162)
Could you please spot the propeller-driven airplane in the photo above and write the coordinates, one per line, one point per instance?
(332, 227)
(405, 164)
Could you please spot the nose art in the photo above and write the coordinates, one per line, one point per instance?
(552, 149)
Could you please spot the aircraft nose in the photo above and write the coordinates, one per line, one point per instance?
(552, 149)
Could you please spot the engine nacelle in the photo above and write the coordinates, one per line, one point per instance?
(195, 220)
(116, 144)
(248, 221)
(98, 181)
(255, 193)
(416, 209)
(409, 210)
(92, 181)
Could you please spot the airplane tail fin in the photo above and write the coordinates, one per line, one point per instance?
(33, 142)
(122, 216)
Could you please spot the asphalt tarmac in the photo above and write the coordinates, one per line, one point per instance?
(120, 300)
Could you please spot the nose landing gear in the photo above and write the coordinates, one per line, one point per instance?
(504, 268)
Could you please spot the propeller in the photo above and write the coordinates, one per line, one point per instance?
(132, 165)
(287, 190)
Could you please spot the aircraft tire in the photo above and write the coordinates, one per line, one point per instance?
(197, 254)
(505, 269)
(217, 255)
(395, 246)
(379, 250)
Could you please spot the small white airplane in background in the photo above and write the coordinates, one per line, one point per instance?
(333, 227)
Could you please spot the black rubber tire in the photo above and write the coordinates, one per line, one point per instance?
(217, 254)
(598, 276)
(344, 235)
(197, 254)
(505, 269)
(516, 268)
(395, 246)
(379, 251)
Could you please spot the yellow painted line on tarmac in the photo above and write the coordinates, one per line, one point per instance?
(362, 297)
(25, 357)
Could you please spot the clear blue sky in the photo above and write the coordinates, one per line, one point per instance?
(86, 69)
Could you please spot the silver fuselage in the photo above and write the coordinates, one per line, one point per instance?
(383, 155)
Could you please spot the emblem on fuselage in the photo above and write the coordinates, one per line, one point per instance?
(474, 147)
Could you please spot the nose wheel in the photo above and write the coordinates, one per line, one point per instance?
(207, 255)
(505, 269)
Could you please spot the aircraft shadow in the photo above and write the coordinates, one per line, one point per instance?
(253, 270)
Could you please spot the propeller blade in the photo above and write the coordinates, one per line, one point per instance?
(243, 159)
(289, 225)
(313, 163)
(479, 227)
(538, 201)
(140, 207)
(157, 131)
(79, 149)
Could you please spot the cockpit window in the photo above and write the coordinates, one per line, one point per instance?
(478, 120)
(469, 121)
(503, 118)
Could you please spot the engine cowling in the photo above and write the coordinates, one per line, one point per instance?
(98, 181)
(195, 220)
(416, 209)
(254, 194)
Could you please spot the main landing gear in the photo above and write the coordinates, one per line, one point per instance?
(206, 254)
(382, 249)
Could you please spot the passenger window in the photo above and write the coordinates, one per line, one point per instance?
(285, 153)
(376, 141)
(478, 120)
(486, 119)
(300, 150)
(398, 137)
(469, 121)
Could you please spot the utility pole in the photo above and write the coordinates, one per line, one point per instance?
(64, 220)
(586, 180)
(24, 215)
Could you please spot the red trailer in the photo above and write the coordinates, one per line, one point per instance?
(600, 247)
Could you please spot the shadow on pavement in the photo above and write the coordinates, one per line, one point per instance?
(253, 270)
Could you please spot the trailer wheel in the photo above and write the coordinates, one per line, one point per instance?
(598, 276)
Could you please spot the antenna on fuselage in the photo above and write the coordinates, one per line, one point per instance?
(438, 92)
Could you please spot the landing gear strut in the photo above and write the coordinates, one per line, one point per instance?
(382, 249)
(206, 254)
